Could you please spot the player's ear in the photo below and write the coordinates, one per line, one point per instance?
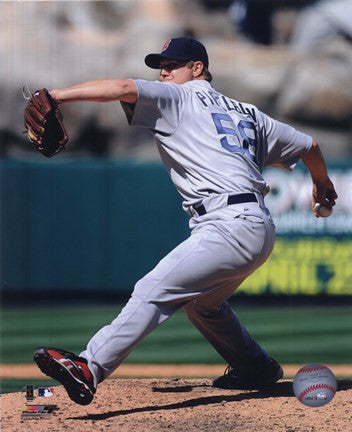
(197, 69)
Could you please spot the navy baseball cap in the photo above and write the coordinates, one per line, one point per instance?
(182, 49)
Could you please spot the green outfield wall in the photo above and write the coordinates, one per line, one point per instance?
(99, 225)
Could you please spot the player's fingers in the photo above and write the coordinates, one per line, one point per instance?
(332, 196)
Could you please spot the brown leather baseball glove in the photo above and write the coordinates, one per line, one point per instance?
(43, 121)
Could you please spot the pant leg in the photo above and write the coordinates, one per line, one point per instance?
(213, 316)
(210, 258)
(221, 326)
(186, 272)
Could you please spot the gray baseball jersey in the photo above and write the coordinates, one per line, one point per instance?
(211, 144)
(213, 147)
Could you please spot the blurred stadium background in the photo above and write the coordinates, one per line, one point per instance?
(79, 230)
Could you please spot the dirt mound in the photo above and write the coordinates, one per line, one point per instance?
(142, 405)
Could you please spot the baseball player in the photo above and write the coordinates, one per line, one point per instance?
(214, 149)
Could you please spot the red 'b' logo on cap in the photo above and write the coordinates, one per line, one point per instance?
(166, 45)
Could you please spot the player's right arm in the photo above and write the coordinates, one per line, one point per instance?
(323, 188)
(286, 146)
(124, 90)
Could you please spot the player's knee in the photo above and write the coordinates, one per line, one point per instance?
(152, 292)
(143, 289)
(197, 308)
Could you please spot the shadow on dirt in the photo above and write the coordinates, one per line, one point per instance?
(281, 389)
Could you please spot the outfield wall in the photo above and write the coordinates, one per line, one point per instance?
(99, 225)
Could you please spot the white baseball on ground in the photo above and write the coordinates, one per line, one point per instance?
(314, 385)
(322, 210)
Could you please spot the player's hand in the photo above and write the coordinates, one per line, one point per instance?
(324, 194)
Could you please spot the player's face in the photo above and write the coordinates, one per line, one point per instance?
(175, 71)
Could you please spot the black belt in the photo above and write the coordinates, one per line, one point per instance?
(232, 199)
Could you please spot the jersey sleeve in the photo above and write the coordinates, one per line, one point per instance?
(285, 145)
(158, 107)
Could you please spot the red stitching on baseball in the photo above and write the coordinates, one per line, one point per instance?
(315, 387)
(312, 369)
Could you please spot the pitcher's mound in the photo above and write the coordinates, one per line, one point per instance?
(144, 405)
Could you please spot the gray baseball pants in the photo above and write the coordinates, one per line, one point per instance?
(200, 274)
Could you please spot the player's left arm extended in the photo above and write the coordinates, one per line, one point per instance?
(323, 188)
(109, 90)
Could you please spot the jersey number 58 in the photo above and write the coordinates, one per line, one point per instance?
(243, 143)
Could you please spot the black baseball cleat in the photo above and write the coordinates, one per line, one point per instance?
(70, 370)
(261, 375)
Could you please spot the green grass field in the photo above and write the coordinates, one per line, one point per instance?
(297, 334)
